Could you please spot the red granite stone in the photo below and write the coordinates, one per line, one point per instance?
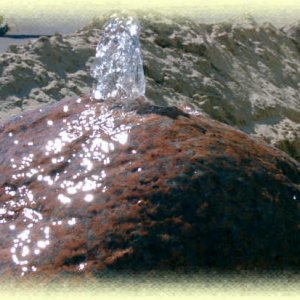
(89, 187)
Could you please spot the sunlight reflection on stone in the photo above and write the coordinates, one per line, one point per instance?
(87, 163)
(121, 137)
(64, 199)
(89, 198)
(32, 215)
(82, 266)
(2, 211)
(25, 251)
(72, 221)
(22, 242)
(55, 146)
(102, 136)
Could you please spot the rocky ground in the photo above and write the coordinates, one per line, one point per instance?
(241, 73)
(89, 188)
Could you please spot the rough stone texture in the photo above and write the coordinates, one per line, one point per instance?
(238, 72)
(89, 187)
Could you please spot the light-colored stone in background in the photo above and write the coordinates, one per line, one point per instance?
(239, 72)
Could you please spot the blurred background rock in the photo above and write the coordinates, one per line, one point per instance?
(3, 26)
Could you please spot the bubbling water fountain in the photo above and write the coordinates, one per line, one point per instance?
(118, 64)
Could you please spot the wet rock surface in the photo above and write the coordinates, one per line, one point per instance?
(90, 187)
(238, 72)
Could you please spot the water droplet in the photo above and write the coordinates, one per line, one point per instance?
(89, 198)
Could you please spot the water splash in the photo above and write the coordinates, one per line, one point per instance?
(118, 65)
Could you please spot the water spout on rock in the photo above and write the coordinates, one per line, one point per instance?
(118, 64)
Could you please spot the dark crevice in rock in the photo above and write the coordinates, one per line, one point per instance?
(75, 260)
(171, 112)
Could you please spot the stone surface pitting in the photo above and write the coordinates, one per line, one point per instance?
(118, 65)
(88, 186)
